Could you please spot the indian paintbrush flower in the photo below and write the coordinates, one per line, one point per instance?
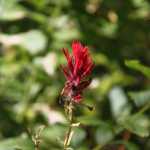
(78, 68)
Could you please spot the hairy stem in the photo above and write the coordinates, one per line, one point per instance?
(69, 134)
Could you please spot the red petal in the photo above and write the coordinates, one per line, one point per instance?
(77, 49)
(69, 59)
(88, 70)
(66, 73)
(77, 98)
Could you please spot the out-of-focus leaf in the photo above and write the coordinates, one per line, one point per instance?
(51, 115)
(78, 137)
(140, 13)
(33, 41)
(67, 34)
(54, 133)
(128, 145)
(138, 124)
(135, 64)
(41, 3)
(60, 3)
(18, 143)
(90, 121)
(142, 9)
(10, 10)
(65, 29)
(138, 3)
(108, 29)
(60, 22)
(48, 63)
(119, 103)
(101, 59)
(104, 134)
(140, 98)
(69, 148)
(117, 77)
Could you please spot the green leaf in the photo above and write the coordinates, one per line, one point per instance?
(140, 98)
(138, 124)
(108, 80)
(108, 29)
(104, 134)
(119, 104)
(78, 136)
(66, 34)
(89, 121)
(128, 145)
(141, 11)
(18, 143)
(54, 133)
(34, 41)
(136, 65)
(10, 10)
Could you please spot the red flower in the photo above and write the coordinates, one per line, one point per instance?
(79, 66)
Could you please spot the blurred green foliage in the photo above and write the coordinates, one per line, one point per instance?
(32, 33)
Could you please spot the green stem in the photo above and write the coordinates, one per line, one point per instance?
(69, 112)
(143, 109)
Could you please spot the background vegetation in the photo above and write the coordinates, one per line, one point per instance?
(32, 33)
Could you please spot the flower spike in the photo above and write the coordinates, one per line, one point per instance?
(78, 68)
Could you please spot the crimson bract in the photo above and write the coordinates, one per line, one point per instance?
(78, 68)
